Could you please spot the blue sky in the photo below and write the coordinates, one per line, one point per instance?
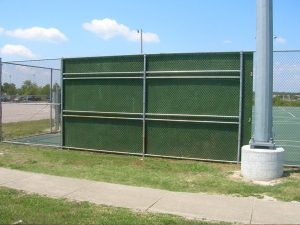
(68, 28)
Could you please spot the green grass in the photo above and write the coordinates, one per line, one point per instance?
(24, 128)
(34, 209)
(174, 175)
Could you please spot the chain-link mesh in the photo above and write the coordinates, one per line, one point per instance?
(194, 96)
(193, 140)
(286, 104)
(167, 104)
(112, 114)
(109, 95)
(119, 135)
(188, 61)
(31, 101)
(133, 63)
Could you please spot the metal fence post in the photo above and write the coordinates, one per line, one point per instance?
(51, 99)
(61, 102)
(56, 108)
(1, 131)
(241, 97)
(144, 104)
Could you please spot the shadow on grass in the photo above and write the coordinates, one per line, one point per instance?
(288, 172)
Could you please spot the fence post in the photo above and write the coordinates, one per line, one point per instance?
(61, 101)
(57, 108)
(241, 97)
(51, 99)
(1, 131)
(144, 104)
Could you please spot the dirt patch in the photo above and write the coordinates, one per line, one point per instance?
(236, 175)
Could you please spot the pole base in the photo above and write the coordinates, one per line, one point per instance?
(261, 164)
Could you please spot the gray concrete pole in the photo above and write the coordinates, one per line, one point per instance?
(263, 136)
(261, 160)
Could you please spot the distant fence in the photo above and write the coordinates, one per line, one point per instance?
(286, 104)
(194, 105)
(29, 102)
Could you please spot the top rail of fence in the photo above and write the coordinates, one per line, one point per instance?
(38, 67)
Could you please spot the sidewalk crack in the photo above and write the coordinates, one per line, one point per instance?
(155, 202)
(252, 209)
(77, 189)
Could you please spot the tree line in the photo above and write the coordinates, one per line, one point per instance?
(28, 88)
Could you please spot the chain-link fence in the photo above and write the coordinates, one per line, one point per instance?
(31, 110)
(192, 105)
(286, 104)
(30, 101)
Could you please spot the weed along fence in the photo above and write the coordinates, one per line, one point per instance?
(195, 105)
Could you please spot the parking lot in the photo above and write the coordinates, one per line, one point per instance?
(16, 112)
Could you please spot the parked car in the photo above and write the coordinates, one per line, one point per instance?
(4, 99)
(33, 98)
(19, 99)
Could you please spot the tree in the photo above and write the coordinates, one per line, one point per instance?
(29, 88)
(45, 90)
(9, 89)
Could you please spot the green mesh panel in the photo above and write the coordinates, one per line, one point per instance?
(103, 95)
(194, 96)
(172, 96)
(103, 134)
(247, 100)
(104, 64)
(193, 61)
(206, 141)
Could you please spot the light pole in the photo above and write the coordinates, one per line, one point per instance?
(263, 136)
(262, 160)
(140, 31)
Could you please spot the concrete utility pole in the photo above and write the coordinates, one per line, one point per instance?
(263, 135)
(261, 160)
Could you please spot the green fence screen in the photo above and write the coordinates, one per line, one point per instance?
(191, 105)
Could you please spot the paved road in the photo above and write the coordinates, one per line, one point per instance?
(16, 112)
(191, 205)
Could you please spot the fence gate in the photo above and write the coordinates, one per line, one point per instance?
(193, 105)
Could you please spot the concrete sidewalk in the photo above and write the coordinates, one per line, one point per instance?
(191, 205)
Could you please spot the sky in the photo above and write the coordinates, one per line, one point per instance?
(43, 29)
(32, 29)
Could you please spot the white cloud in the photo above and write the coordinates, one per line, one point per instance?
(109, 28)
(24, 69)
(1, 30)
(280, 40)
(227, 42)
(38, 34)
(287, 69)
(17, 50)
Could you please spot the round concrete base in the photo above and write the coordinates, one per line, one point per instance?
(262, 164)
